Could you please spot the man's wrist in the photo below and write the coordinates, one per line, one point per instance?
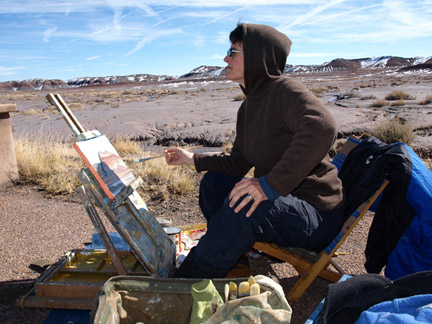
(267, 188)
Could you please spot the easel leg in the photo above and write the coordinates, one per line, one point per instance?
(94, 217)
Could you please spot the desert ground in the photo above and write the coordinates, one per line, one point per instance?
(205, 110)
(39, 226)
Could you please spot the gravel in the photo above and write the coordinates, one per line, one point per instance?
(37, 226)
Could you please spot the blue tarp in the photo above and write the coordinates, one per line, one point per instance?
(413, 252)
(119, 243)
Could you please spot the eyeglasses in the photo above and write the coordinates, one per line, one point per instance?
(231, 52)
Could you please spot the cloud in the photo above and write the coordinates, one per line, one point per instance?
(147, 9)
(222, 37)
(198, 40)
(223, 16)
(70, 6)
(311, 14)
(314, 54)
(92, 58)
(110, 32)
(4, 70)
(48, 34)
(333, 16)
(217, 57)
(400, 12)
(83, 30)
(154, 35)
(347, 22)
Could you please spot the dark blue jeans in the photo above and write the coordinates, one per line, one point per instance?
(287, 221)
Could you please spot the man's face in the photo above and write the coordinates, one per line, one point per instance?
(235, 68)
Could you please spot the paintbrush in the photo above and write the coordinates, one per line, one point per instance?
(162, 155)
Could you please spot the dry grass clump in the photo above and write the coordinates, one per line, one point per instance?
(165, 179)
(398, 95)
(397, 83)
(75, 106)
(112, 97)
(125, 146)
(54, 166)
(427, 100)
(398, 103)
(348, 95)
(395, 130)
(332, 88)
(47, 163)
(227, 147)
(318, 91)
(368, 85)
(239, 97)
(33, 112)
(368, 97)
(158, 175)
(380, 103)
(16, 95)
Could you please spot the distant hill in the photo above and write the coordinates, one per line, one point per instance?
(340, 64)
(40, 84)
(390, 63)
(426, 66)
(205, 72)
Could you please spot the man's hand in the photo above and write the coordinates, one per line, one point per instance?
(248, 190)
(178, 156)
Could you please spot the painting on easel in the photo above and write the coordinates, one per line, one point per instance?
(104, 162)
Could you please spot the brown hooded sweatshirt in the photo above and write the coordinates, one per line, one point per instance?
(283, 130)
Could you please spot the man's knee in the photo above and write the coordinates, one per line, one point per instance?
(217, 183)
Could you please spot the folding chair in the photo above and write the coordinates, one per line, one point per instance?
(310, 264)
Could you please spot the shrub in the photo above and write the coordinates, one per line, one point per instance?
(125, 146)
(160, 178)
(48, 163)
(397, 103)
(347, 95)
(75, 106)
(163, 178)
(227, 147)
(427, 100)
(239, 97)
(317, 91)
(395, 130)
(369, 85)
(368, 97)
(33, 112)
(398, 95)
(380, 103)
(54, 166)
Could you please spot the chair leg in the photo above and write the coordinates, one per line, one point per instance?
(300, 271)
(337, 267)
(301, 265)
(305, 281)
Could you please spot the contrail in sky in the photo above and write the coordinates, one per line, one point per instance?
(221, 17)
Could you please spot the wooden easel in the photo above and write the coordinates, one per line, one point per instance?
(126, 210)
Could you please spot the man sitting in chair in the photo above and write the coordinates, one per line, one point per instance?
(285, 133)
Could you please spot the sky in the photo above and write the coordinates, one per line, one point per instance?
(65, 39)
